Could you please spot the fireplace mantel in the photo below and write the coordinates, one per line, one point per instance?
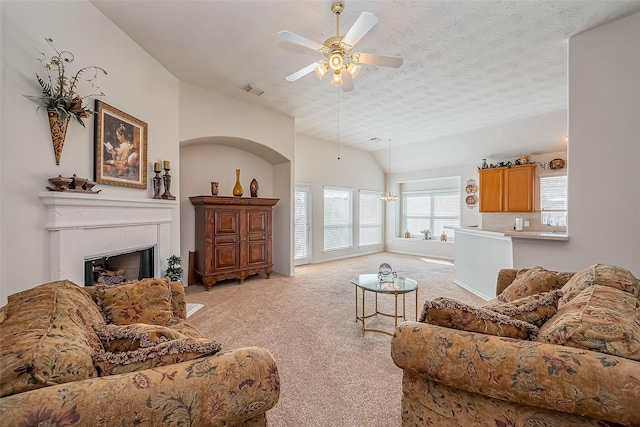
(83, 226)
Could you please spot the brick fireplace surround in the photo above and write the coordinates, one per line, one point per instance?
(91, 225)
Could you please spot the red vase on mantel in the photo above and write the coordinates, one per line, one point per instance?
(253, 188)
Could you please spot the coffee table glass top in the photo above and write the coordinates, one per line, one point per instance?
(397, 285)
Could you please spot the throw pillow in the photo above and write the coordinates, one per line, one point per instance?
(600, 318)
(159, 354)
(600, 274)
(146, 301)
(458, 315)
(535, 309)
(532, 281)
(119, 338)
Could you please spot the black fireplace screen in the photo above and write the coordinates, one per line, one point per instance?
(120, 268)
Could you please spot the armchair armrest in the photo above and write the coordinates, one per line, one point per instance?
(535, 374)
(224, 389)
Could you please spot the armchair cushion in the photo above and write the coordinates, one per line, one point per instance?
(531, 282)
(600, 274)
(600, 318)
(47, 337)
(145, 301)
(458, 315)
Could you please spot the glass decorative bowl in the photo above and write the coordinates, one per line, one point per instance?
(386, 273)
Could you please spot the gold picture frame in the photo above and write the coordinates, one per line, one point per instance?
(120, 148)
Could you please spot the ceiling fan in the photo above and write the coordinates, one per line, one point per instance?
(339, 58)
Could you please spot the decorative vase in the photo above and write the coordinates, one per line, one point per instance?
(214, 188)
(253, 188)
(58, 132)
(237, 189)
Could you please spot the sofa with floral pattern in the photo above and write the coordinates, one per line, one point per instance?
(123, 355)
(552, 349)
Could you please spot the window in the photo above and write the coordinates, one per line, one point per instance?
(553, 200)
(370, 218)
(338, 226)
(432, 210)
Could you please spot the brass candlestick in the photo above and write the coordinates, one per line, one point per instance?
(167, 184)
(157, 184)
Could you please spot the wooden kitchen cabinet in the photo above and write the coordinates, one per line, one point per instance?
(507, 189)
(233, 238)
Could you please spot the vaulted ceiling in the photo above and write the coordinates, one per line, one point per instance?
(480, 79)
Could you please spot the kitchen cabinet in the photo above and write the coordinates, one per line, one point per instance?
(508, 189)
(233, 238)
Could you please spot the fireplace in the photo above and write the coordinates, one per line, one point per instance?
(119, 268)
(85, 227)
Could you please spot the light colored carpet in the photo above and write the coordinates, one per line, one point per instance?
(330, 375)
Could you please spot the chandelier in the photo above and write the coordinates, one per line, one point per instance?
(388, 196)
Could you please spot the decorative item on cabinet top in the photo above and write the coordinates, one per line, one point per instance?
(522, 160)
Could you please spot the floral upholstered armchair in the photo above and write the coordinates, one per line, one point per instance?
(552, 349)
(123, 355)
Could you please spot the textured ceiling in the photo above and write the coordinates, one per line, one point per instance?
(480, 79)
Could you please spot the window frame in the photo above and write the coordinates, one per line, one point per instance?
(432, 193)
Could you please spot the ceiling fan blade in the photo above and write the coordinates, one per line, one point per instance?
(365, 22)
(383, 61)
(347, 82)
(301, 73)
(302, 41)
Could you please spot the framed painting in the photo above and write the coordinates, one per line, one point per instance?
(120, 148)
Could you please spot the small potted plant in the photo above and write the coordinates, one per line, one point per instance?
(426, 233)
(174, 270)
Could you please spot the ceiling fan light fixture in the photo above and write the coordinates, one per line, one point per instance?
(337, 78)
(353, 69)
(336, 61)
(321, 70)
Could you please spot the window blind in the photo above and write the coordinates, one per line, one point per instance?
(338, 225)
(370, 218)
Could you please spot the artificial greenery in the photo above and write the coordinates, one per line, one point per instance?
(174, 270)
(59, 90)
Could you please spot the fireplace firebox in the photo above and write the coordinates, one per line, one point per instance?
(119, 268)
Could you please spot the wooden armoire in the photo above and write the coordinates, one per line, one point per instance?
(233, 237)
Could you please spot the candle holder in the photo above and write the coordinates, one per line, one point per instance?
(167, 185)
(157, 185)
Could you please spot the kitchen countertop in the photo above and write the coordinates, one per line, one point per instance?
(535, 235)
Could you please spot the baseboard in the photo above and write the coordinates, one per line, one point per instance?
(473, 291)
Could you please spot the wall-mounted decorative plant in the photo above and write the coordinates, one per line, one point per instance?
(59, 94)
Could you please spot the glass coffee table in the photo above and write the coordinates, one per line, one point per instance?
(395, 286)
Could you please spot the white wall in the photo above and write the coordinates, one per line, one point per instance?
(136, 84)
(317, 164)
(603, 152)
(229, 134)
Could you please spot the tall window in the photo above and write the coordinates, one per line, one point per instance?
(370, 218)
(431, 210)
(553, 200)
(338, 225)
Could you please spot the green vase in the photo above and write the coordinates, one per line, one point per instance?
(237, 189)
